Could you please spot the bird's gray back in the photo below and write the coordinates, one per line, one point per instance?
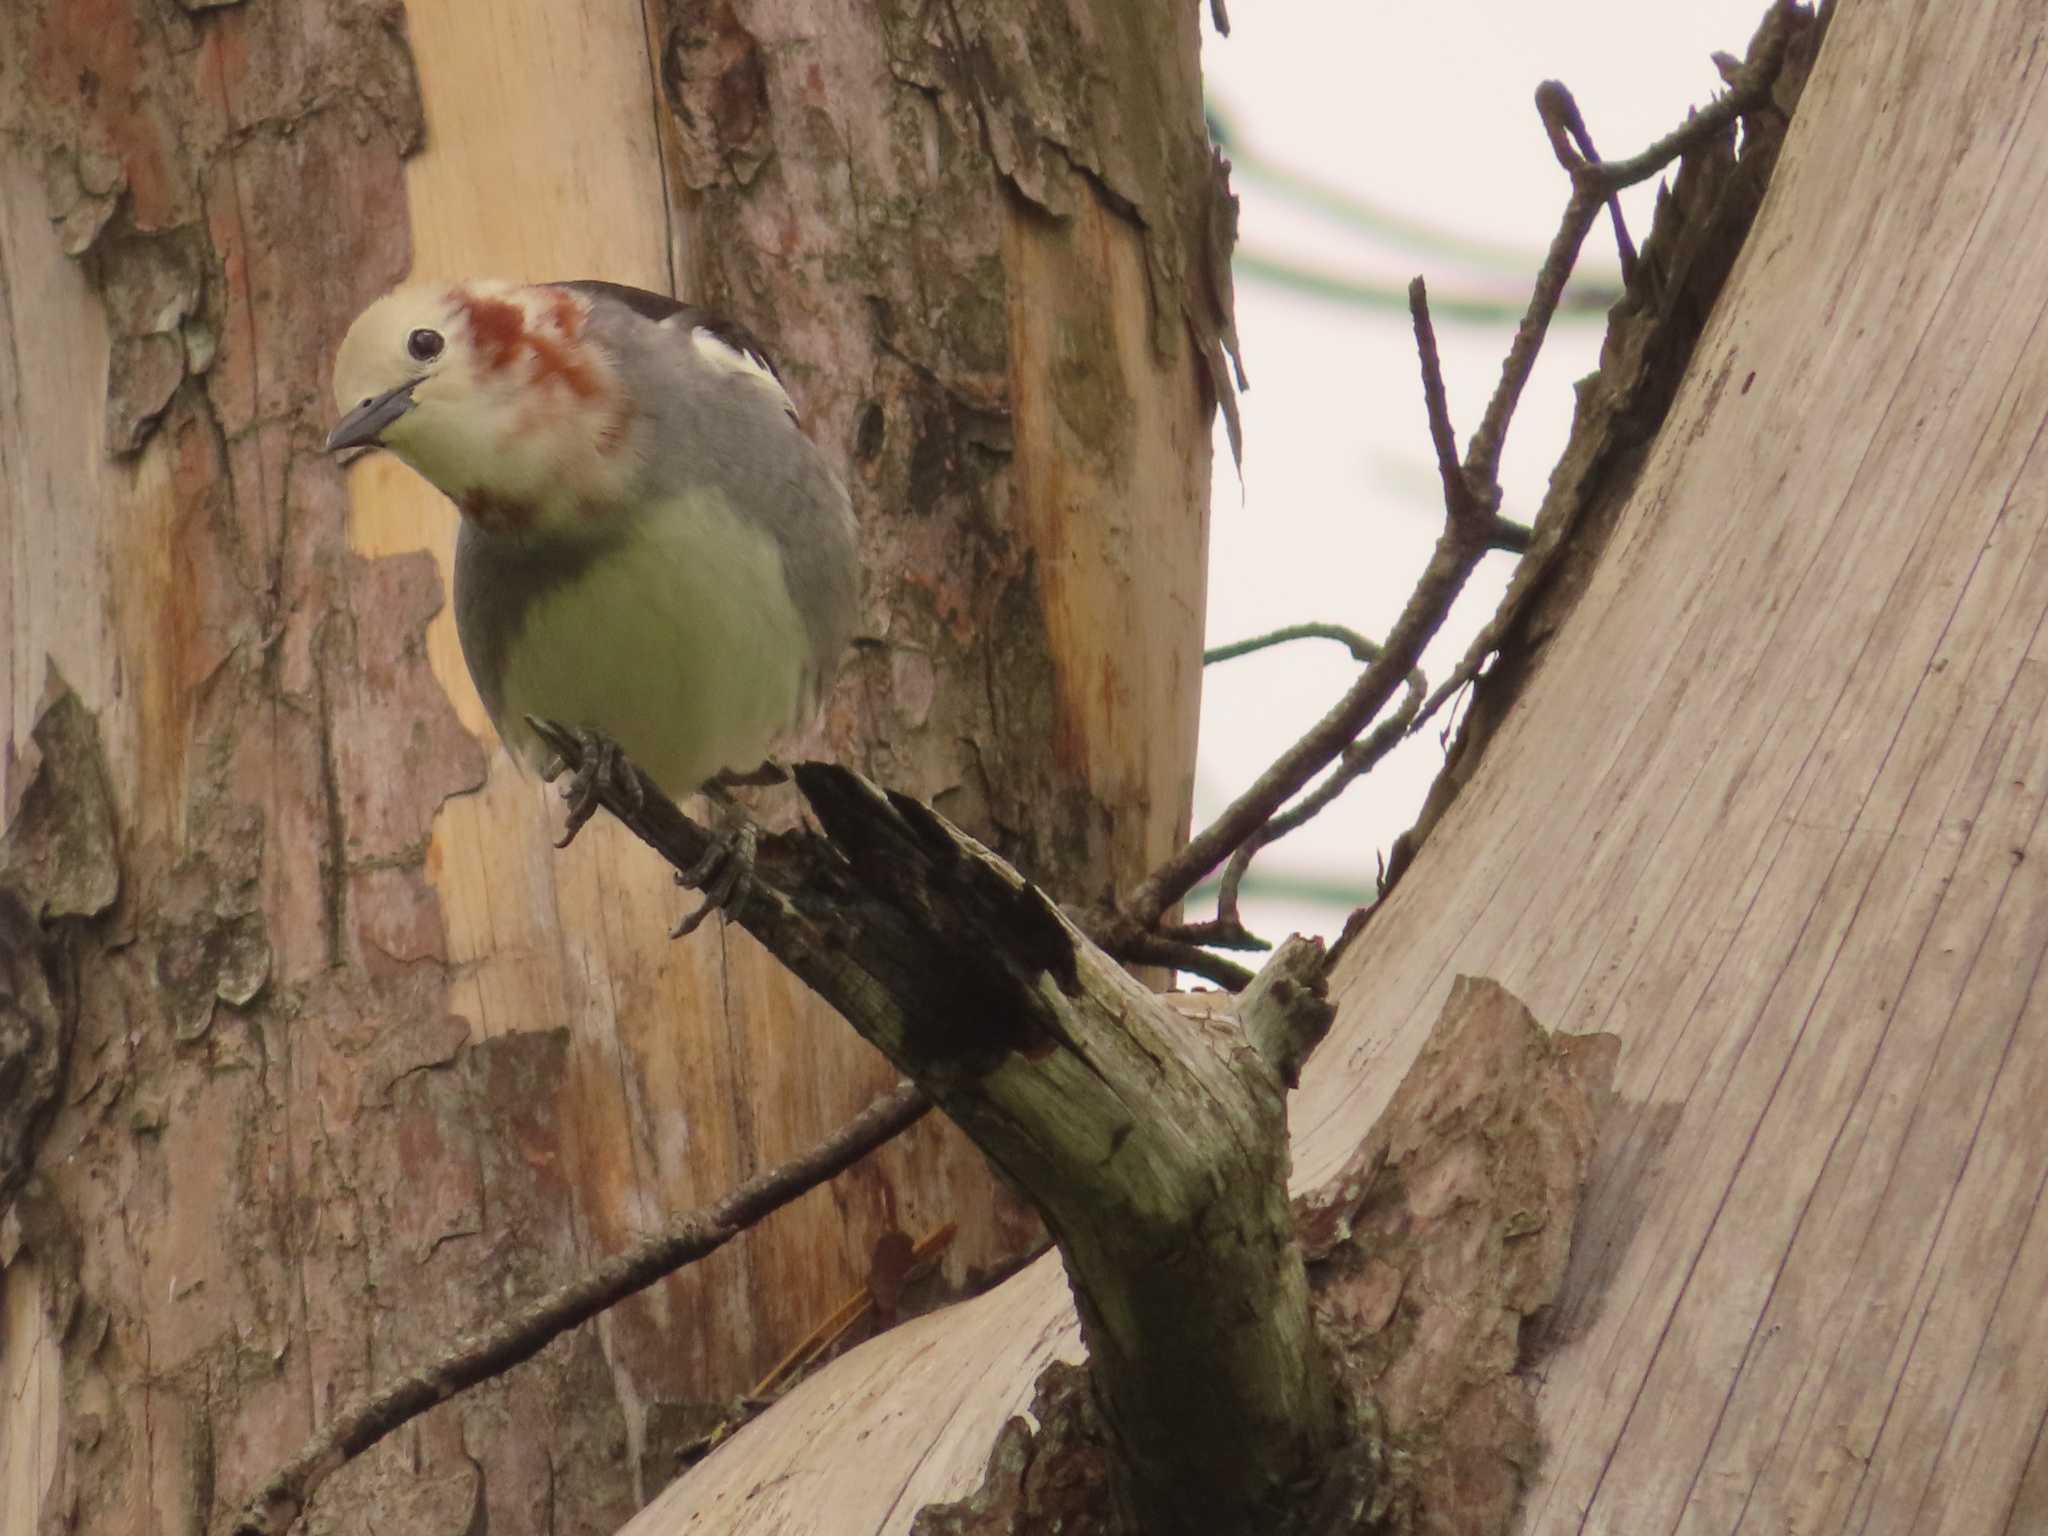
(700, 423)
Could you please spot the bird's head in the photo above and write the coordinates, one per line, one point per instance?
(497, 394)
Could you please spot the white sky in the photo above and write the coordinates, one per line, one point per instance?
(1425, 111)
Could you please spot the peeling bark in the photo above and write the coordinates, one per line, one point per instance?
(1769, 810)
(1442, 1236)
(983, 240)
(356, 1055)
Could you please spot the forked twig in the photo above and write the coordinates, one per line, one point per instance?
(1471, 499)
(1751, 91)
(1469, 531)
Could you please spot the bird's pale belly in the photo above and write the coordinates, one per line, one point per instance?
(684, 649)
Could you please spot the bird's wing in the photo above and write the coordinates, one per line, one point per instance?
(659, 307)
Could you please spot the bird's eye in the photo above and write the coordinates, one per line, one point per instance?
(424, 345)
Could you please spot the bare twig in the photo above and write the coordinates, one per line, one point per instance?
(1752, 91)
(1358, 759)
(1136, 946)
(1482, 454)
(1465, 541)
(1594, 182)
(485, 1353)
(1219, 932)
(1572, 143)
(1459, 501)
(1471, 489)
(1361, 649)
(1301, 762)
(1511, 536)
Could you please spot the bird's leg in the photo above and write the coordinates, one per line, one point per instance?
(600, 769)
(726, 872)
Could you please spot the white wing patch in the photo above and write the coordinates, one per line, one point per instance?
(721, 354)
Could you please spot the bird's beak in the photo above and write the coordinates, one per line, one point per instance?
(361, 427)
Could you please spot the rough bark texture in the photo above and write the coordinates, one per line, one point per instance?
(1770, 813)
(1429, 1249)
(1799, 874)
(1157, 1153)
(358, 1060)
(1439, 1239)
(987, 235)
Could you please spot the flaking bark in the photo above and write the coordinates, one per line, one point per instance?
(359, 1063)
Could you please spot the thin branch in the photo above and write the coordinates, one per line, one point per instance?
(1145, 948)
(1594, 183)
(1463, 544)
(481, 1355)
(1752, 90)
(1572, 143)
(1460, 503)
(1449, 565)
(1218, 932)
(1362, 649)
(1757, 82)
(1359, 759)
(1471, 491)
(1511, 536)
(1482, 454)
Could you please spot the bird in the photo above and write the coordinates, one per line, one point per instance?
(653, 553)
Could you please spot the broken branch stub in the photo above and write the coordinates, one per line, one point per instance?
(1156, 1153)
(1155, 1148)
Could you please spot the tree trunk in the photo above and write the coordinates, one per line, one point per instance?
(1764, 801)
(333, 1055)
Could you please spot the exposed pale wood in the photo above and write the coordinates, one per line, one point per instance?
(30, 1420)
(1790, 876)
(1770, 813)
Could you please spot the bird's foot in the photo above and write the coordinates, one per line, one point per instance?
(601, 769)
(725, 874)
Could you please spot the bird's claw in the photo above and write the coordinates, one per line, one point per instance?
(601, 770)
(725, 874)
